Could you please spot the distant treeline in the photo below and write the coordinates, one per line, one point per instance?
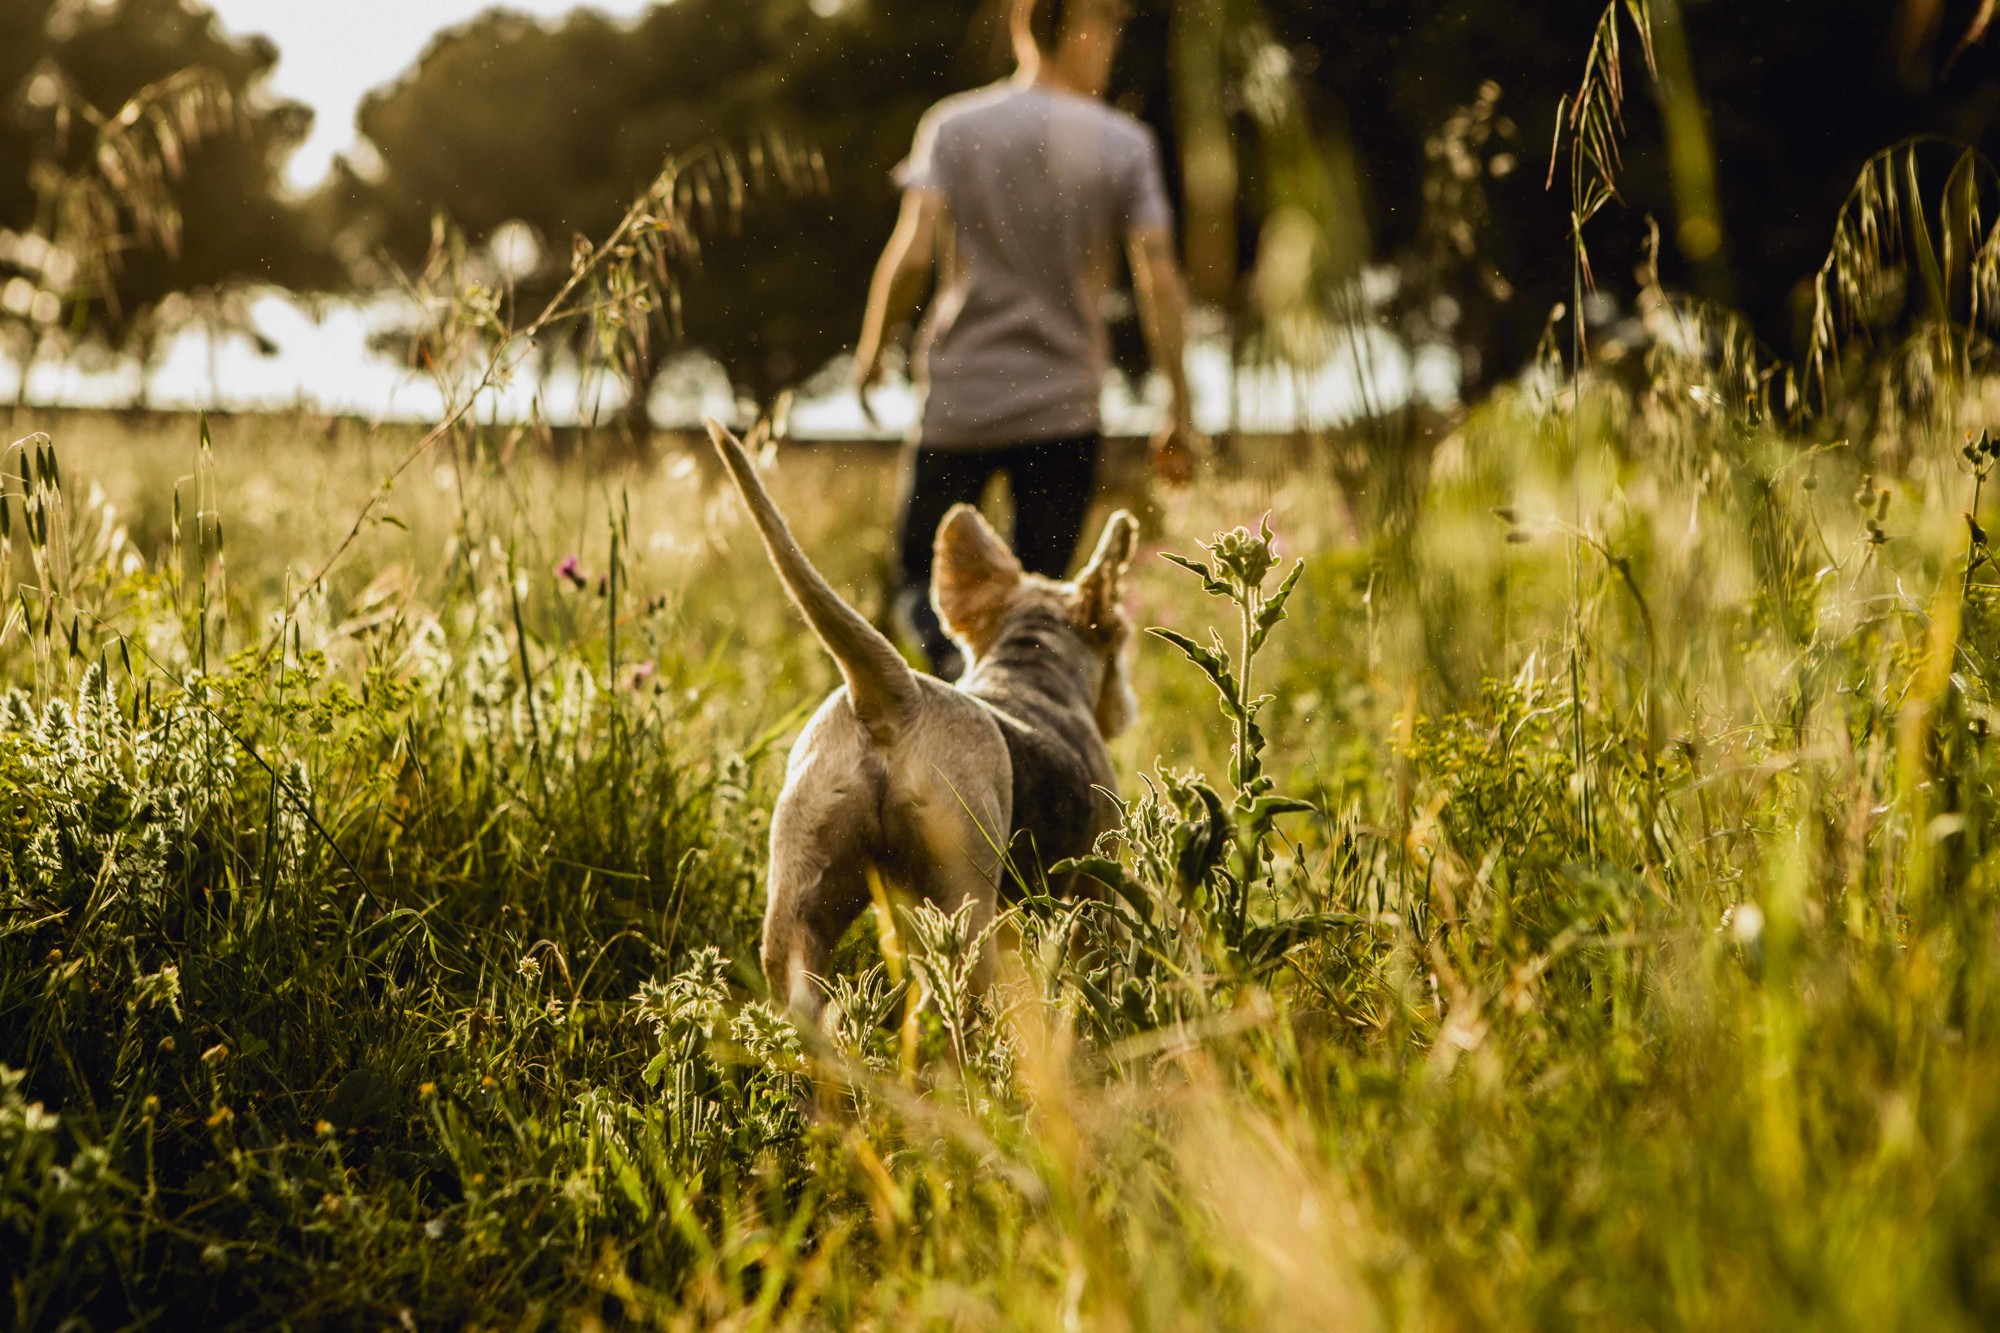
(1415, 133)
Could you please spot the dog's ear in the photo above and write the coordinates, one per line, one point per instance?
(974, 578)
(1099, 585)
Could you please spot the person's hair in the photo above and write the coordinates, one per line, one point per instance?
(1045, 22)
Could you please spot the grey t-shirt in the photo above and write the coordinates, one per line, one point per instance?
(1040, 189)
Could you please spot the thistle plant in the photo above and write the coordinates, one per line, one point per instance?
(946, 961)
(727, 1077)
(1181, 917)
(1242, 562)
(1979, 455)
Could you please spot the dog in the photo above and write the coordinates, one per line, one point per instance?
(933, 787)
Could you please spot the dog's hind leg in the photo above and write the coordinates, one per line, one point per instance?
(824, 832)
(957, 833)
(813, 900)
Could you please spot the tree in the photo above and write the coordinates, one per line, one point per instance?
(558, 126)
(1794, 95)
(212, 144)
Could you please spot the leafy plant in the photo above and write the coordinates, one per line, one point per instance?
(1182, 930)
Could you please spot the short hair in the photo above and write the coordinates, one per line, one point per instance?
(1045, 22)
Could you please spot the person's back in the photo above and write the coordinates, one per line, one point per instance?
(1039, 187)
(1019, 197)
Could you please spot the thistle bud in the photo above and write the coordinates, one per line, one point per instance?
(1245, 555)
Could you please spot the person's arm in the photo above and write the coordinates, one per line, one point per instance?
(1163, 305)
(900, 278)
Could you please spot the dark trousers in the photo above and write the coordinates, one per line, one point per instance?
(1053, 483)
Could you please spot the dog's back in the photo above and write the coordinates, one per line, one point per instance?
(1062, 768)
(902, 776)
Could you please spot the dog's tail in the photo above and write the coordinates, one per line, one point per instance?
(880, 683)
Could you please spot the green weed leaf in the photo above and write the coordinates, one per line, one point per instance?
(1213, 662)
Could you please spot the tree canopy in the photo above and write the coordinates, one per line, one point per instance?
(1415, 133)
(557, 126)
(216, 139)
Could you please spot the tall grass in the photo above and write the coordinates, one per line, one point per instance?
(1581, 911)
(403, 969)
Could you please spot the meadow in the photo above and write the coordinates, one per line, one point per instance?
(1595, 925)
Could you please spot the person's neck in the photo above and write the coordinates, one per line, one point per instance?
(1047, 75)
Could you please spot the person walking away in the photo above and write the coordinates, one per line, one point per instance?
(1018, 197)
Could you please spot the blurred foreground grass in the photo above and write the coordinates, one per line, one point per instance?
(385, 960)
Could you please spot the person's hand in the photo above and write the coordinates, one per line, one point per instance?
(1173, 453)
(867, 374)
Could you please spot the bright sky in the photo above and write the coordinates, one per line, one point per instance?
(331, 52)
